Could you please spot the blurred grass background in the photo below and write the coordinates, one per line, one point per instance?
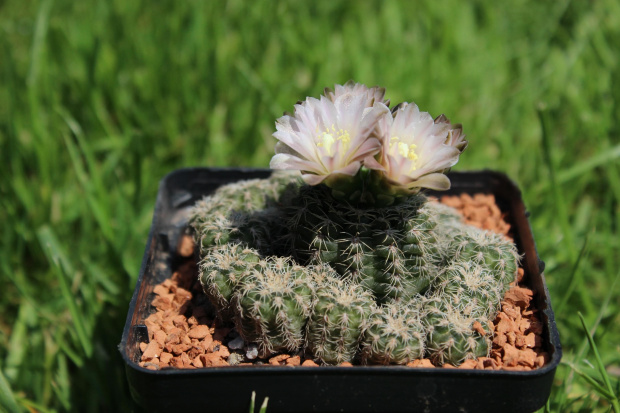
(100, 99)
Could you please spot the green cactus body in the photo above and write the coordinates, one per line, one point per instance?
(243, 212)
(391, 251)
(445, 214)
(395, 334)
(272, 306)
(489, 250)
(480, 267)
(220, 272)
(339, 316)
(473, 289)
(354, 256)
(451, 337)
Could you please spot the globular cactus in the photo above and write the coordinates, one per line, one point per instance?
(392, 251)
(242, 212)
(395, 334)
(406, 255)
(340, 314)
(474, 290)
(355, 250)
(480, 265)
(489, 250)
(410, 279)
(446, 214)
(220, 272)
(452, 336)
(272, 305)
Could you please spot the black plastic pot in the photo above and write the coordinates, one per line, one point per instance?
(299, 389)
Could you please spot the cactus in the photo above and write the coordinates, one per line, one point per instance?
(221, 271)
(474, 289)
(338, 318)
(390, 250)
(243, 212)
(480, 267)
(489, 250)
(272, 305)
(451, 337)
(395, 334)
(353, 256)
(354, 263)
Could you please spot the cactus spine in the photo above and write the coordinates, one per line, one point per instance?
(451, 337)
(340, 314)
(221, 271)
(390, 250)
(294, 267)
(272, 306)
(489, 250)
(395, 334)
(242, 212)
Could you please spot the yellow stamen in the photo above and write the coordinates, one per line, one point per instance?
(403, 149)
(327, 139)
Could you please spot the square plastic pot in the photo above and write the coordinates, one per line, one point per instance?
(327, 389)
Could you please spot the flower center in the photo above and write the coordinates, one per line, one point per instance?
(329, 137)
(403, 149)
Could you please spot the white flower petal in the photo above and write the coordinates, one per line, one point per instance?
(415, 153)
(351, 169)
(312, 179)
(284, 148)
(371, 163)
(437, 181)
(286, 161)
(455, 138)
(324, 137)
(373, 94)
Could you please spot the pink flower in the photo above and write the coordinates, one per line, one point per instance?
(417, 150)
(330, 136)
(373, 94)
(455, 133)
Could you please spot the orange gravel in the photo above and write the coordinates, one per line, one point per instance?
(182, 335)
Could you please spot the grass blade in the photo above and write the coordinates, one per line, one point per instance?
(592, 381)
(51, 246)
(26, 317)
(559, 200)
(613, 399)
(37, 44)
(575, 277)
(263, 407)
(7, 400)
(35, 407)
(584, 345)
(252, 402)
(606, 156)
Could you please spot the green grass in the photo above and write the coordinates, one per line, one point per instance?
(100, 99)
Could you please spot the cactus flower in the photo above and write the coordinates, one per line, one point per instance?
(455, 133)
(417, 150)
(326, 138)
(350, 89)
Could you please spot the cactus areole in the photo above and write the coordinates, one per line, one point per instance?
(339, 253)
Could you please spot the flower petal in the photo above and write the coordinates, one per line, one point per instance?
(437, 181)
(371, 163)
(351, 169)
(286, 161)
(312, 179)
(415, 153)
(325, 137)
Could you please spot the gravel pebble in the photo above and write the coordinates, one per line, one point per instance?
(236, 344)
(252, 352)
